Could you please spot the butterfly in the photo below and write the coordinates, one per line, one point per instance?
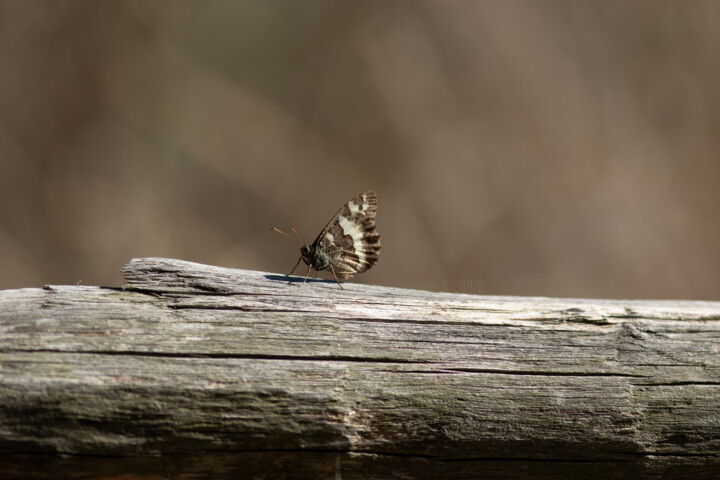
(348, 244)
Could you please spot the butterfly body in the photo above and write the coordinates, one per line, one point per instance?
(315, 257)
(349, 243)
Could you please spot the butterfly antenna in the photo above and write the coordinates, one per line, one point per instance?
(296, 237)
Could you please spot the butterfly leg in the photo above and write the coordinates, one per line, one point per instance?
(291, 272)
(335, 277)
(308, 273)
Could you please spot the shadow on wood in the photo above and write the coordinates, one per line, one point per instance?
(198, 371)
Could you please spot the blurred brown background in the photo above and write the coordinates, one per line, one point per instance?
(564, 148)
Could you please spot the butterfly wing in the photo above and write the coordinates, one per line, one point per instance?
(350, 240)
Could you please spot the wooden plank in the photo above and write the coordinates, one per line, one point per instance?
(198, 370)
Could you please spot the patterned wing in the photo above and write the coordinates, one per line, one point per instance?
(350, 239)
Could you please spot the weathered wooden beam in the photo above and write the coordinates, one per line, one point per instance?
(191, 371)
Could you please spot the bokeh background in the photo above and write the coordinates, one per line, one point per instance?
(537, 147)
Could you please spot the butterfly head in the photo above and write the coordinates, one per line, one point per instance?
(306, 252)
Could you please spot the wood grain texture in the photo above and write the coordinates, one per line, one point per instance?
(193, 371)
